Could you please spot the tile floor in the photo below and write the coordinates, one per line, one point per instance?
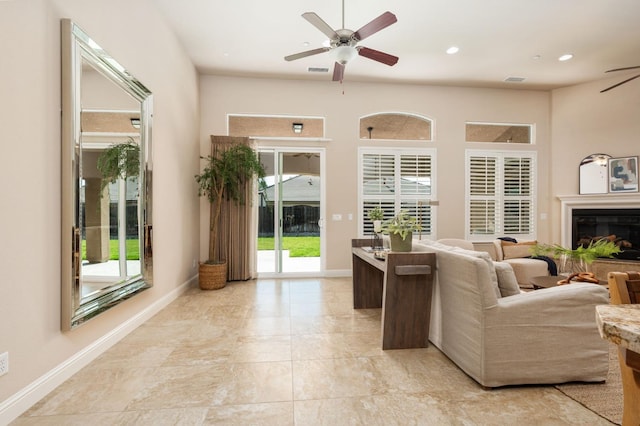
(284, 352)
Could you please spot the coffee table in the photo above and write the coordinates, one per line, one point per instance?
(547, 281)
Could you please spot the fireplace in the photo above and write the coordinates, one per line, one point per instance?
(622, 226)
(613, 216)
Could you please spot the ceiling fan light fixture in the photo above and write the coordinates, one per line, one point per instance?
(344, 54)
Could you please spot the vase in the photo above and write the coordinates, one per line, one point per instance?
(377, 226)
(400, 244)
(569, 265)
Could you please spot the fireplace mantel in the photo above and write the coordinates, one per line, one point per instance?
(591, 201)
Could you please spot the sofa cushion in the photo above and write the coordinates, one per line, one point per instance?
(517, 250)
(486, 257)
(507, 282)
(493, 279)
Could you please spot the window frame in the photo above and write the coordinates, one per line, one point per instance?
(398, 198)
(531, 132)
(500, 195)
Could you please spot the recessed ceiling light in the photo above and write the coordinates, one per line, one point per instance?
(565, 57)
(306, 43)
(536, 57)
(453, 50)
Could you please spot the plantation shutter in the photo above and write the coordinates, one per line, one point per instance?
(483, 198)
(517, 192)
(396, 180)
(500, 195)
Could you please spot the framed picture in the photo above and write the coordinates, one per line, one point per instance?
(623, 174)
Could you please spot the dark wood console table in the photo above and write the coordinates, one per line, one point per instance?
(402, 286)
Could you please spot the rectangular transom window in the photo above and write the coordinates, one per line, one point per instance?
(499, 133)
(276, 126)
(500, 194)
(397, 179)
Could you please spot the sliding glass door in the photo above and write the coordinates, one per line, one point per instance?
(290, 212)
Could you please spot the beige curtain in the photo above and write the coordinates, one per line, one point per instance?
(236, 222)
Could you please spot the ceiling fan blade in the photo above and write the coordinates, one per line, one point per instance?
(376, 55)
(317, 22)
(619, 84)
(338, 72)
(306, 53)
(379, 23)
(624, 69)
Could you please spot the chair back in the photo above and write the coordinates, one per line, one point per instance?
(624, 287)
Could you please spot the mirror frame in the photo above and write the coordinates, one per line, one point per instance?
(76, 47)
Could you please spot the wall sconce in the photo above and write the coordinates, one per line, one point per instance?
(297, 127)
(135, 122)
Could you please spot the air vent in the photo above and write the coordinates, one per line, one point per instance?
(514, 79)
(318, 69)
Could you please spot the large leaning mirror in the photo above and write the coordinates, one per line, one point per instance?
(106, 180)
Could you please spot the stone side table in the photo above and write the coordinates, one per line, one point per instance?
(620, 324)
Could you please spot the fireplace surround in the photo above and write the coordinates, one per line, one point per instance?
(605, 215)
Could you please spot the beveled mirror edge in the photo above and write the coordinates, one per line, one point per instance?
(73, 312)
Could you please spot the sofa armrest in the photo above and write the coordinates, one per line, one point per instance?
(546, 336)
(552, 304)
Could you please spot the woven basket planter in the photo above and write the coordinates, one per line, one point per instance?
(212, 276)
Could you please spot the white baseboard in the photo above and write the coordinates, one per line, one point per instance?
(21, 401)
(338, 273)
(330, 273)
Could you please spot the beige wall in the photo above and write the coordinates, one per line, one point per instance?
(585, 122)
(578, 119)
(449, 107)
(30, 255)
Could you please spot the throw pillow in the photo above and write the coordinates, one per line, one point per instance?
(517, 250)
(507, 282)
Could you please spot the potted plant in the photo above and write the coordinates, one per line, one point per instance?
(119, 161)
(376, 215)
(400, 229)
(223, 177)
(578, 259)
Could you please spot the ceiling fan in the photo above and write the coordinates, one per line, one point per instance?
(622, 82)
(344, 42)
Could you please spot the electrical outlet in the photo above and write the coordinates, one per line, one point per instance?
(4, 363)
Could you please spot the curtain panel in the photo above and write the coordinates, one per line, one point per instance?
(236, 241)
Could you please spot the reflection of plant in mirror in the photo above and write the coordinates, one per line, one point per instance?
(119, 161)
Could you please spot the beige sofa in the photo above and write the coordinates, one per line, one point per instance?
(523, 266)
(500, 335)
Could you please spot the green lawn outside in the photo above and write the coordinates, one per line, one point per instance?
(132, 246)
(297, 246)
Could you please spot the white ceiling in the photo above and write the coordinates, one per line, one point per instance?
(497, 39)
